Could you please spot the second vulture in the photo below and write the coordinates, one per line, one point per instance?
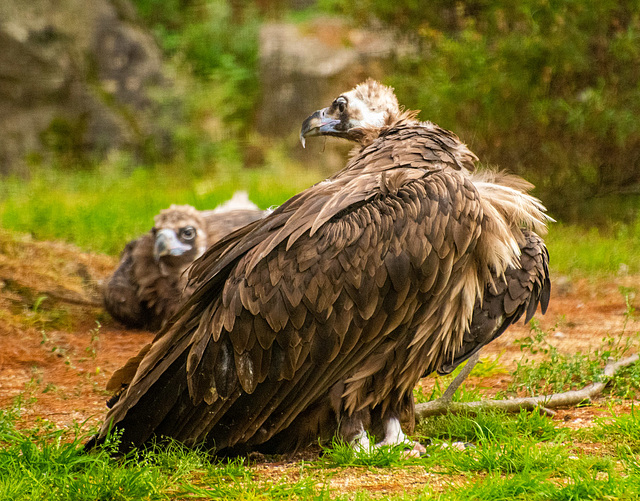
(150, 282)
(319, 319)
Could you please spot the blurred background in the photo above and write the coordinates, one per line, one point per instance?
(111, 110)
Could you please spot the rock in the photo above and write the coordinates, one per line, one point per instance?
(75, 81)
(301, 66)
(304, 66)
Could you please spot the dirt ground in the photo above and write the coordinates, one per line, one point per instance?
(58, 347)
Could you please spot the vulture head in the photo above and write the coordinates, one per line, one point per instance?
(369, 111)
(352, 115)
(146, 287)
(180, 236)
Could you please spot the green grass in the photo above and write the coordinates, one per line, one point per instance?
(619, 429)
(48, 463)
(559, 371)
(100, 211)
(488, 426)
(576, 250)
(542, 486)
(341, 454)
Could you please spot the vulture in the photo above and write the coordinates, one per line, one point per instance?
(145, 288)
(319, 319)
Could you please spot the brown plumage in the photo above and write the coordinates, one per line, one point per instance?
(145, 289)
(320, 318)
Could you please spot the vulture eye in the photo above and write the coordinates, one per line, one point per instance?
(341, 104)
(188, 233)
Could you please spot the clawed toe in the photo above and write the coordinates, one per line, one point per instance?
(416, 451)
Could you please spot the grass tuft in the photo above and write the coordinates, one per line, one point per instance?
(489, 425)
(342, 454)
(621, 429)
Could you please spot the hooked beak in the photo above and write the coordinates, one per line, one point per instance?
(318, 124)
(167, 244)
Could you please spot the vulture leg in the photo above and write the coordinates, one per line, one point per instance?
(393, 435)
(353, 429)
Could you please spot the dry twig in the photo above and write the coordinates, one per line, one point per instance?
(544, 402)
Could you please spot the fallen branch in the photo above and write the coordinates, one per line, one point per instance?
(543, 402)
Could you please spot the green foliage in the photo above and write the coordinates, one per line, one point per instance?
(623, 429)
(510, 456)
(47, 463)
(525, 457)
(525, 486)
(548, 89)
(344, 455)
(216, 41)
(42, 464)
(488, 426)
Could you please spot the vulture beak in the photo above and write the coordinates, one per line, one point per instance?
(319, 124)
(167, 244)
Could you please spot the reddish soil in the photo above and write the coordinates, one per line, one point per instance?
(58, 347)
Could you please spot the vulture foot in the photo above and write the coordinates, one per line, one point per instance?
(394, 436)
(418, 450)
(360, 442)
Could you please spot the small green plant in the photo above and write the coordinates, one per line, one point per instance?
(507, 455)
(559, 372)
(488, 425)
(624, 429)
(94, 340)
(541, 486)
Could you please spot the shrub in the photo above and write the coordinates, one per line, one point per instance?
(546, 89)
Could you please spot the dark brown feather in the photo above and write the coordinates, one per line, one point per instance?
(519, 291)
